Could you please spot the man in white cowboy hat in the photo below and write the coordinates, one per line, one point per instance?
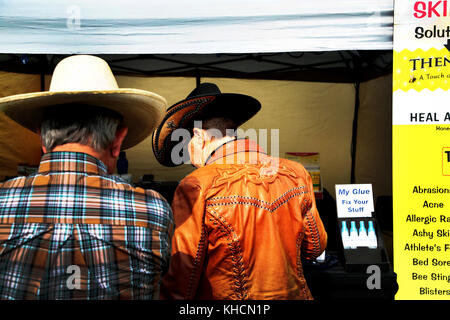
(244, 219)
(72, 230)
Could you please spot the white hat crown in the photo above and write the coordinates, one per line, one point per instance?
(82, 73)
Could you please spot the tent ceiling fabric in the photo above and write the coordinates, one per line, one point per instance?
(329, 66)
(194, 27)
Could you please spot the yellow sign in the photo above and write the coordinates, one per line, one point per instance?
(421, 69)
(421, 152)
(421, 212)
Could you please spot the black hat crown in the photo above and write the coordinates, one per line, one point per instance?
(204, 89)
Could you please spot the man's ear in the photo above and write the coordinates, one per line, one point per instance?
(116, 145)
(200, 136)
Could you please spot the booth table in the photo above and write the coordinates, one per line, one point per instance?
(335, 282)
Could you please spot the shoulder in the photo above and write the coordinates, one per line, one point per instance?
(200, 178)
(143, 201)
(13, 183)
(296, 166)
(153, 200)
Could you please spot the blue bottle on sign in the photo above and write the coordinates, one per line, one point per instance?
(353, 235)
(363, 239)
(345, 236)
(372, 237)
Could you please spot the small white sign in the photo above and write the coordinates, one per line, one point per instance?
(354, 200)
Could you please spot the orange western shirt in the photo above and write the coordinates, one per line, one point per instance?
(243, 224)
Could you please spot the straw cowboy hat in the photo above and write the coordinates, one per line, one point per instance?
(84, 79)
(203, 102)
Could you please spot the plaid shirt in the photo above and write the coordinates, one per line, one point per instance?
(71, 231)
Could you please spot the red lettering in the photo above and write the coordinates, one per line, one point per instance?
(432, 9)
(420, 12)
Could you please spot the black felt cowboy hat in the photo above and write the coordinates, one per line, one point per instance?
(205, 101)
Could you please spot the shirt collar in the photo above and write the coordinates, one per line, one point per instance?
(64, 161)
(232, 148)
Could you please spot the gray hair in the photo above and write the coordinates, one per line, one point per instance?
(88, 125)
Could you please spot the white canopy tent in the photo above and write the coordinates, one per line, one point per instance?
(196, 26)
(169, 45)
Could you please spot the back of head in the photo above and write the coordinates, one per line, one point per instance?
(220, 127)
(87, 125)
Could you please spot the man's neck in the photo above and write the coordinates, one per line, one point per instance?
(214, 145)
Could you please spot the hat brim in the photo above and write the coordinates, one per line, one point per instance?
(141, 110)
(238, 107)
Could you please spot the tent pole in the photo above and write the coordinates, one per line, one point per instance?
(356, 75)
(355, 133)
(197, 78)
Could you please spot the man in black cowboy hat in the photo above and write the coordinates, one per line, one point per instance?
(243, 218)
